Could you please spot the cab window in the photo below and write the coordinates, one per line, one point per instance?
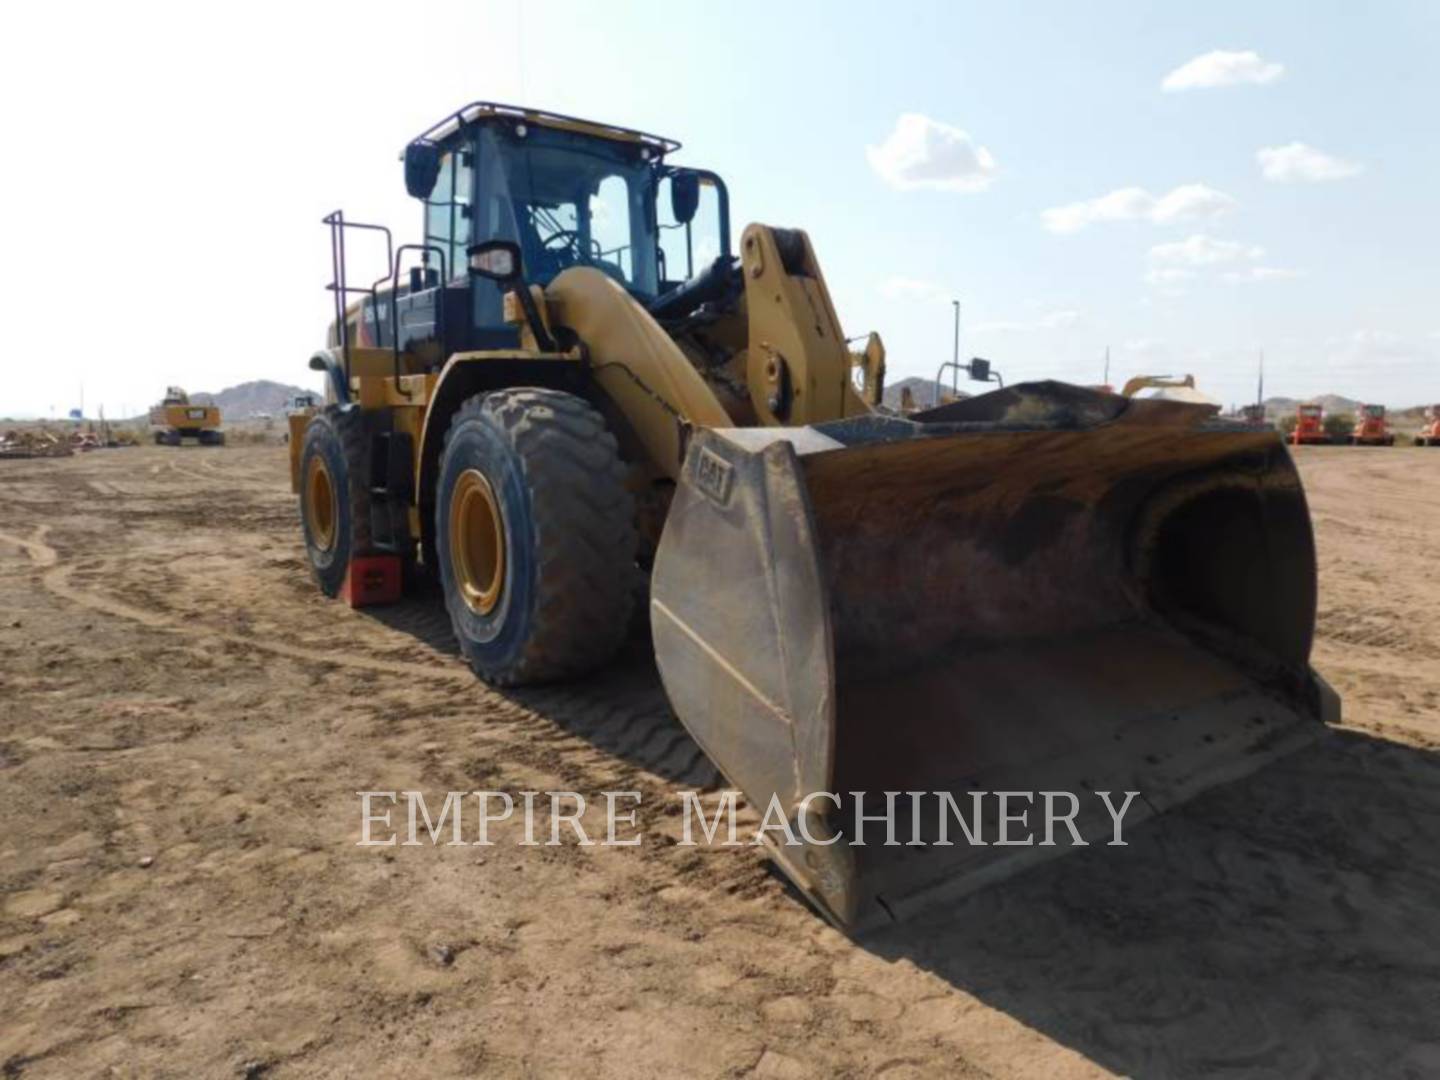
(610, 237)
(686, 248)
(448, 218)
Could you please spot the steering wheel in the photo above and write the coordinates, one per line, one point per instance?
(568, 239)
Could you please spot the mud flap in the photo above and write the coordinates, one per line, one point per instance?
(1044, 590)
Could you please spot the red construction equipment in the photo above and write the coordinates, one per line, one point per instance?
(1372, 429)
(1429, 435)
(1310, 426)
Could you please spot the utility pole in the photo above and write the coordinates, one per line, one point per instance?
(1106, 380)
(956, 355)
(1260, 390)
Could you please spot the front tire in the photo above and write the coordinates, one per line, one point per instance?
(535, 536)
(334, 496)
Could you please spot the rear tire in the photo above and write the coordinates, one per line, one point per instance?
(535, 536)
(334, 496)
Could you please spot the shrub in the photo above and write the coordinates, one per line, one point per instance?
(1339, 425)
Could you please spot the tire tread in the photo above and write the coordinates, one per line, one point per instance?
(583, 528)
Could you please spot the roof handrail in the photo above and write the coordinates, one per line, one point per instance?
(468, 113)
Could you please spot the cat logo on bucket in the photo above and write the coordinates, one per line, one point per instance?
(712, 475)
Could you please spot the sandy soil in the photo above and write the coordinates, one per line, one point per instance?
(184, 723)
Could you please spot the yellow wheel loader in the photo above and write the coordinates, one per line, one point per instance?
(573, 391)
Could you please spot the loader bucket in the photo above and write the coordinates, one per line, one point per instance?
(1042, 589)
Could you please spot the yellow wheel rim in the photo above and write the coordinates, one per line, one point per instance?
(477, 542)
(321, 506)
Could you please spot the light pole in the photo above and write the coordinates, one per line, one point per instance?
(956, 356)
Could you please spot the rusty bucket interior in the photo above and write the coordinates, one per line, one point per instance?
(1044, 589)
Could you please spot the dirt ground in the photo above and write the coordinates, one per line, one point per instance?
(185, 722)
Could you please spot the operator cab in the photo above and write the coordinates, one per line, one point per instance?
(569, 193)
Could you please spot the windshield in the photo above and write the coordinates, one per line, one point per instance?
(1375, 412)
(569, 200)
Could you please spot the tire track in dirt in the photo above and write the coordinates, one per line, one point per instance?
(212, 475)
(627, 725)
(630, 727)
(56, 577)
(594, 738)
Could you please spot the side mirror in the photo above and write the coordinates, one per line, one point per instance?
(422, 168)
(497, 260)
(979, 369)
(684, 196)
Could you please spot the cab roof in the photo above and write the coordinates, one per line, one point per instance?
(484, 110)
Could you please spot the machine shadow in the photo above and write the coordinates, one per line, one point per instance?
(420, 614)
(1285, 924)
(621, 710)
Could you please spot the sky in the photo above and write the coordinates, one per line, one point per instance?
(1187, 186)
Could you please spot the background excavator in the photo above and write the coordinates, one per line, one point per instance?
(579, 393)
(177, 418)
(1169, 388)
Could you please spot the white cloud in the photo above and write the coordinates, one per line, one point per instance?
(1222, 68)
(1060, 320)
(1200, 250)
(1188, 202)
(1168, 275)
(1263, 273)
(921, 289)
(1000, 327)
(924, 153)
(1297, 163)
(1125, 204)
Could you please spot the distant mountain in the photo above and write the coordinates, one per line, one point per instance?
(1276, 407)
(925, 391)
(260, 396)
